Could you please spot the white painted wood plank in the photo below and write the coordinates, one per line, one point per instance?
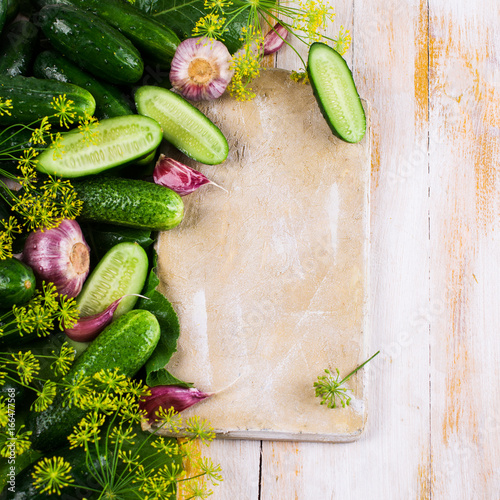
(465, 211)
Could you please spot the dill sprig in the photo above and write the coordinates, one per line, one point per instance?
(307, 21)
(122, 459)
(41, 314)
(330, 387)
(42, 203)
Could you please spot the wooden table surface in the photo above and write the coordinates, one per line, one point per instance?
(431, 71)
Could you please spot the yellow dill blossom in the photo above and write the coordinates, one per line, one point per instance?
(5, 245)
(312, 17)
(11, 226)
(67, 313)
(113, 379)
(201, 429)
(212, 26)
(78, 391)
(219, 5)
(38, 135)
(343, 41)
(57, 145)
(5, 106)
(64, 359)
(64, 110)
(4, 412)
(52, 475)
(120, 435)
(54, 185)
(246, 66)
(83, 435)
(27, 366)
(21, 442)
(27, 160)
(45, 397)
(88, 128)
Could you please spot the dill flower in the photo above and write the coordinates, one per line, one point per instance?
(45, 397)
(63, 360)
(27, 366)
(5, 106)
(307, 22)
(52, 475)
(88, 128)
(64, 110)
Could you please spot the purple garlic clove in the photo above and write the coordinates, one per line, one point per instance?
(275, 39)
(170, 396)
(177, 176)
(88, 328)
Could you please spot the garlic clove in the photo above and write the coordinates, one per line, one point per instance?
(200, 69)
(275, 39)
(170, 396)
(59, 255)
(178, 177)
(87, 328)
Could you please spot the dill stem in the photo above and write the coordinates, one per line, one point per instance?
(356, 369)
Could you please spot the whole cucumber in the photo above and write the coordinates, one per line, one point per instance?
(110, 101)
(129, 202)
(17, 48)
(125, 344)
(32, 97)
(91, 43)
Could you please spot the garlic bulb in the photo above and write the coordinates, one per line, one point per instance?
(59, 255)
(200, 69)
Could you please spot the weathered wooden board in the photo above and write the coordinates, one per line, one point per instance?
(270, 277)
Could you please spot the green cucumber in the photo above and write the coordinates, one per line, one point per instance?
(130, 203)
(155, 41)
(122, 271)
(336, 93)
(32, 97)
(184, 126)
(91, 43)
(17, 282)
(120, 141)
(17, 48)
(110, 101)
(125, 344)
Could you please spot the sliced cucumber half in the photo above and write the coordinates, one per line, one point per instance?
(121, 271)
(184, 126)
(336, 92)
(118, 141)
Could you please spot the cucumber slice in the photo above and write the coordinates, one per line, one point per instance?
(184, 126)
(120, 140)
(121, 271)
(336, 92)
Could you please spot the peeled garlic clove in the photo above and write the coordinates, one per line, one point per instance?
(170, 396)
(177, 176)
(59, 255)
(275, 39)
(200, 69)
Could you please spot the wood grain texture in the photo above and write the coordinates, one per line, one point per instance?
(431, 70)
(464, 213)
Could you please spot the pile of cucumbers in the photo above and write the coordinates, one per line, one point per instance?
(95, 54)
